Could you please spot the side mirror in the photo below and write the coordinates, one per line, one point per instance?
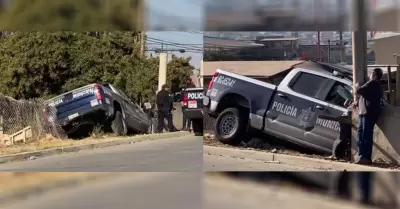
(347, 103)
(147, 106)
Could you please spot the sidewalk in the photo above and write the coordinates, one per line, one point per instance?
(16, 185)
(223, 192)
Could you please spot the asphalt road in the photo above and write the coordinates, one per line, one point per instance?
(228, 163)
(163, 155)
(128, 190)
(220, 192)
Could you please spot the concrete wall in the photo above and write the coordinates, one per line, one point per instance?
(384, 189)
(384, 49)
(386, 136)
(177, 116)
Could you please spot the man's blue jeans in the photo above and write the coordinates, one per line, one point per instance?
(365, 137)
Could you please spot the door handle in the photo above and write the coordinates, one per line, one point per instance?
(282, 95)
(320, 107)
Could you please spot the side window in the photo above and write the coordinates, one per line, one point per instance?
(308, 84)
(338, 94)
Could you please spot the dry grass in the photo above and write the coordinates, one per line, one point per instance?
(17, 180)
(49, 143)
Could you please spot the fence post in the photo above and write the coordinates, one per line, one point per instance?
(1, 125)
(398, 84)
(392, 101)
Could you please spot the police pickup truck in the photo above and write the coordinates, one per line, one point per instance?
(288, 106)
(97, 104)
(192, 108)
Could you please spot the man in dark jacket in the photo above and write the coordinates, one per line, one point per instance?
(369, 105)
(165, 107)
(186, 123)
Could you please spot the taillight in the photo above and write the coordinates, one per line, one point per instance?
(98, 92)
(212, 80)
(184, 99)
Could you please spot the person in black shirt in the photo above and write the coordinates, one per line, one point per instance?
(186, 123)
(165, 107)
(369, 105)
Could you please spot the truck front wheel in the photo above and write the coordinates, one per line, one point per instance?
(118, 124)
(230, 126)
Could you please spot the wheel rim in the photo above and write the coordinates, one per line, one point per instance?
(227, 125)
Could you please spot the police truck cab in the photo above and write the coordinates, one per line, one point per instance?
(288, 106)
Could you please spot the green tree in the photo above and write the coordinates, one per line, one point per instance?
(179, 71)
(41, 64)
(34, 64)
(72, 15)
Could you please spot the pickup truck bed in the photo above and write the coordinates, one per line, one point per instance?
(96, 104)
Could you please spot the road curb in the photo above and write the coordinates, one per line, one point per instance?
(287, 159)
(24, 192)
(116, 142)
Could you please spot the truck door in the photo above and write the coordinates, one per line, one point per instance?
(331, 104)
(131, 114)
(292, 112)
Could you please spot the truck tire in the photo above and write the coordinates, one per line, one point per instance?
(230, 127)
(118, 124)
(197, 127)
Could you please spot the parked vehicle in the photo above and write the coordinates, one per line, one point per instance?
(192, 104)
(288, 107)
(97, 104)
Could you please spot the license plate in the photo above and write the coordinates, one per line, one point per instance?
(192, 104)
(94, 102)
(73, 116)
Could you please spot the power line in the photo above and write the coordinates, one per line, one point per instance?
(197, 47)
(166, 42)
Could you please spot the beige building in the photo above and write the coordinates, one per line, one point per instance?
(260, 70)
(385, 45)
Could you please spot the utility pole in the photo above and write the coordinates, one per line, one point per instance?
(359, 39)
(142, 27)
(319, 46)
(162, 70)
(341, 46)
(142, 43)
(201, 74)
(341, 7)
(329, 51)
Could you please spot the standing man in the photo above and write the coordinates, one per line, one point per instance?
(369, 105)
(186, 123)
(165, 107)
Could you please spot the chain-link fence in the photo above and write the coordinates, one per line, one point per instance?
(16, 115)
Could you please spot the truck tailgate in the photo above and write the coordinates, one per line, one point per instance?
(71, 104)
(194, 98)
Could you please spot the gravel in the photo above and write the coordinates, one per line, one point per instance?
(258, 144)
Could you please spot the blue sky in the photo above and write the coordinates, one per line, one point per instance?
(187, 13)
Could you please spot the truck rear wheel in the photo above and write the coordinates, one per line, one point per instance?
(118, 124)
(230, 126)
(197, 127)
